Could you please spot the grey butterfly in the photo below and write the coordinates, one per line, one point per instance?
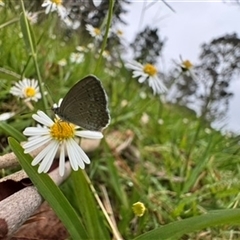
(85, 105)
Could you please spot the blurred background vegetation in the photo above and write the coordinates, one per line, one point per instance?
(170, 158)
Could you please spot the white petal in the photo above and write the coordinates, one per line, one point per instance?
(43, 118)
(38, 95)
(46, 3)
(97, 2)
(48, 8)
(157, 85)
(48, 159)
(72, 156)
(139, 73)
(6, 116)
(62, 160)
(62, 11)
(16, 92)
(33, 131)
(89, 134)
(34, 84)
(35, 143)
(43, 153)
(141, 79)
(82, 156)
(134, 65)
(77, 155)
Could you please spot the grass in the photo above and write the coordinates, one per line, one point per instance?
(179, 167)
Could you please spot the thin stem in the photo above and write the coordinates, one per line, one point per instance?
(109, 20)
(34, 57)
(9, 22)
(111, 224)
(10, 73)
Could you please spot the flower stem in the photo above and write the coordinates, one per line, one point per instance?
(33, 51)
(109, 20)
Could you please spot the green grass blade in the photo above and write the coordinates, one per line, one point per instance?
(28, 35)
(176, 229)
(116, 184)
(92, 216)
(51, 193)
(194, 174)
(11, 131)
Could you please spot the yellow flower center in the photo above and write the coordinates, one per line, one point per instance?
(97, 31)
(150, 69)
(139, 209)
(61, 130)
(57, 2)
(30, 92)
(187, 64)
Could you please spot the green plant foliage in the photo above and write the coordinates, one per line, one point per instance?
(51, 193)
(158, 153)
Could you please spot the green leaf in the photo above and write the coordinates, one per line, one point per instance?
(176, 229)
(194, 174)
(51, 193)
(92, 216)
(11, 131)
(116, 184)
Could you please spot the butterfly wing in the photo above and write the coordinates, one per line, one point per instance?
(85, 105)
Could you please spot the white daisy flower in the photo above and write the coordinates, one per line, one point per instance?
(94, 32)
(76, 57)
(27, 89)
(186, 65)
(56, 135)
(147, 72)
(188, 68)
(55, 5)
